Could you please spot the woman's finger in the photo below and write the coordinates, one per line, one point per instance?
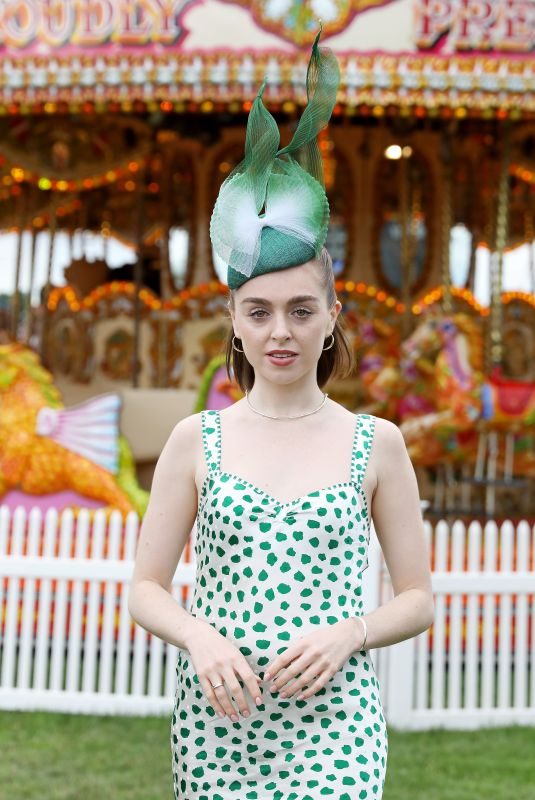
(214, 696)
(304, 679)
(283, 659)
(316, 686)
(252, 681)
(232, 691)
(295, 668)
(237, 694)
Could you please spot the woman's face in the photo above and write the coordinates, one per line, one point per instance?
(283, 311)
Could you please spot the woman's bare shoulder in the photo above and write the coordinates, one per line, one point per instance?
(389, 446)
(189, 426)
(388, 433)
(184, 440)
(387, 430)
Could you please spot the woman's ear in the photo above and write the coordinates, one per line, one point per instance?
(233, 320)
(335, 310)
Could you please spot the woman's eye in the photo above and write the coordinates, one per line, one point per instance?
(302, 313)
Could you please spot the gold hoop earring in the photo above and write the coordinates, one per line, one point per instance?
(234, 346)
(331, 344)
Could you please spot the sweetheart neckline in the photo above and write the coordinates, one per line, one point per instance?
(356, 483)
(278, 503)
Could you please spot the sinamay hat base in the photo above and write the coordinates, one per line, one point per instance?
(292, 252)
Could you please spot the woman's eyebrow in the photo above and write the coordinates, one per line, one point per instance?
(301, 298)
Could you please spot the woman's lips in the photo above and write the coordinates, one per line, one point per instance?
(283, 361)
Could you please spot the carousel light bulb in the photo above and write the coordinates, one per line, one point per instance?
(393, 152)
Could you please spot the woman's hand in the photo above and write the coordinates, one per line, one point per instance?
(317, 655)
(217, 660)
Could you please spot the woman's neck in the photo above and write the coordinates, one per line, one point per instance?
(285, 400)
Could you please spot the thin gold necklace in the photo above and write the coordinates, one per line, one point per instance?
(298, 416)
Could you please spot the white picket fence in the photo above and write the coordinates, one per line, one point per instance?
(480, 669)
(68, 643)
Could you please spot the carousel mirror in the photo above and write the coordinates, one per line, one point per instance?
(181, 218)
(403, 207)
(460, 253)
(339, 188)
(459, 191)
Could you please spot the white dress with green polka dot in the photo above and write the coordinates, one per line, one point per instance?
(266, 573)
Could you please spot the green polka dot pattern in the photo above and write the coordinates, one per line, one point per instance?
(266, 573)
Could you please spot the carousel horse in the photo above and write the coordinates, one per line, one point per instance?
(397, 387)
(464, 396)
(217, 390)
(51, 455)
(377, 352)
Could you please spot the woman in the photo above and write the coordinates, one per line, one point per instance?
(276, 692)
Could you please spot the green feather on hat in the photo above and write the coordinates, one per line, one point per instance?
(272, 211)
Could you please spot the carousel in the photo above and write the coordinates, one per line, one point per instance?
(120, 123)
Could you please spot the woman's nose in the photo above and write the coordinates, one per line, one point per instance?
(280, 328)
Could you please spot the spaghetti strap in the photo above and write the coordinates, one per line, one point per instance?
(211, 439)
(362, 448)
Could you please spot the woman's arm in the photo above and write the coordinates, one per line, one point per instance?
(399, 526)
(164, 532)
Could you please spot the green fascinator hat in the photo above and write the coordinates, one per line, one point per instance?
(272, 211)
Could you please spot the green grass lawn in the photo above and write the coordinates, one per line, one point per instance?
(76, 757)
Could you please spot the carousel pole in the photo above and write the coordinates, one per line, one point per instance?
(15, 304)
(46, 289)
(446, 220)
(502, 230)
(70, 241)
(33, 245)
(138, 278)
(473, 195)
(105, 235)
(200, 269)
(165, 293)
(166, 278)
(471, 277)
(405, 246)
(530, 239)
